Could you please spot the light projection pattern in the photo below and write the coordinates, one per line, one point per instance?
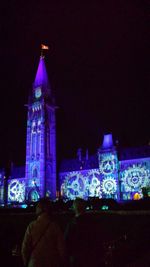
(33, 195)
(16, 190)
(107, 163)
(92, 184)
(135, 177)
(73, 186)
(109, 186)
(88, 184)
(38, 92)
(81, 184)
(33, 181)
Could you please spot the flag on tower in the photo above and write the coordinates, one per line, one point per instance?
(44, 47)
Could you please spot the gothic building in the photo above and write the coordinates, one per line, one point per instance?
(41, 138)
(121, 174)
(38, 177)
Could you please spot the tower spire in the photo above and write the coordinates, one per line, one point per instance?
(41, 78)
(41, 137)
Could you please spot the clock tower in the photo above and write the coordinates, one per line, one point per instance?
(108, 167)
(41, 139)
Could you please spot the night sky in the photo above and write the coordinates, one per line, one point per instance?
(98, 65)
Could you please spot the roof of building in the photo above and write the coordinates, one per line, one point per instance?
(41, 78)
(92, 162)
(76, 164)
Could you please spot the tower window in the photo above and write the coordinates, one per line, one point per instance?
(35, 173)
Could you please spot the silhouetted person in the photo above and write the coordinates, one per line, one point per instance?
(74, 234)
(78, 236)
(43, 244)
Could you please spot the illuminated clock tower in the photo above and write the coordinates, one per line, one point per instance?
(108, 166)
(41, 139)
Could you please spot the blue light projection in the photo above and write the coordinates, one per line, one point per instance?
(109, 186)
(135, 177)
(73, 185)
(99, 177)
(38, 92)
(107, 141)
(16, 190)
(33, 195)
(108, 166)
(112, 180)
(107, 163)
(41, 138)
(87, 183)
(92, 183)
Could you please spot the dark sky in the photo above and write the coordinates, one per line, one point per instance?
(98, 65)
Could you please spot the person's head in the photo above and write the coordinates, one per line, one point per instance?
(79, 206)
(43, 206)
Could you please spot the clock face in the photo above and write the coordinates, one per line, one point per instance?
(108, 166)
(38, 92)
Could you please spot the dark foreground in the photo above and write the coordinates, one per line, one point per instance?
(125, 234)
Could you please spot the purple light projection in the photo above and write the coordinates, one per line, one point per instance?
(39, 136)
(41, 78)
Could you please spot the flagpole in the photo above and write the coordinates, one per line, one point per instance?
(43, 47)
(42, 54)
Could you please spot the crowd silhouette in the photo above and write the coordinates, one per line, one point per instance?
(75, 234)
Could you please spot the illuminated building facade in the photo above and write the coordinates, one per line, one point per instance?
(38, 177)
(40, 171)
(121, 174)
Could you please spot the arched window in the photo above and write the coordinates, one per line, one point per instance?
(33, 195)
(35, 173)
